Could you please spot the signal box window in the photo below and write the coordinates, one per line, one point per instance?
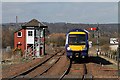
(30, 33)
(19, 34)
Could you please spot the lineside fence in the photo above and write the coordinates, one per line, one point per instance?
(109, 55)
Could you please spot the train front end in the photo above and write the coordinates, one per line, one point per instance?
(77, 44)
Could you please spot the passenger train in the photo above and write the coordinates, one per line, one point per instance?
(77, 45)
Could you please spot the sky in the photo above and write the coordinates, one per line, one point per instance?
(59, 0)
(70, 12)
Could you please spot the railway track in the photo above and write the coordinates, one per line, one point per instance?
(44, 65)
(76, 71)
(86, 75)
(83, 74)
(58, 58)
(66, 71)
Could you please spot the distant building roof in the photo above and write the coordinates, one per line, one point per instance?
(34, 23)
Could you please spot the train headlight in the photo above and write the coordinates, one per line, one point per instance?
(68, 48)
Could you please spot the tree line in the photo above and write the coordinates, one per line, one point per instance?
(106, 30)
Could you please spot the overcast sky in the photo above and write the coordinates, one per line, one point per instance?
(74, 12)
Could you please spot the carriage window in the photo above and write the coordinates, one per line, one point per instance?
(19, 34)
(30, 33)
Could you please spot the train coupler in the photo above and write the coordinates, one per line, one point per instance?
(77, 55)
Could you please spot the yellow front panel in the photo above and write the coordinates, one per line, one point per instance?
(77, 47)
(77, 33)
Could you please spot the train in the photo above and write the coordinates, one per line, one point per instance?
(77, 44)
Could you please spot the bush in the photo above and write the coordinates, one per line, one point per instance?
(105, 48)
(57, 39)
(104, 41)
(114, 52)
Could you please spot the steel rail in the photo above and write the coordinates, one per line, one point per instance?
(66, 71)
(47, 69)
(34, 67)
(85, 75)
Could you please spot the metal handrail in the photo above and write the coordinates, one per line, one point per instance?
(26, 51)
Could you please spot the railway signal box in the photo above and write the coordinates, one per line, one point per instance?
(31, 38)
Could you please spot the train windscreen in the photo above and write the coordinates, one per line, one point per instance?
(77, 39)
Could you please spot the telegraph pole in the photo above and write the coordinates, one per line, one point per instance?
(16, 19)
(118, 59)
(44, 41)
(97, 40)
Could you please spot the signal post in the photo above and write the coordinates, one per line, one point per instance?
(96, 29)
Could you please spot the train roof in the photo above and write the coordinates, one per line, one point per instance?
(78, 30)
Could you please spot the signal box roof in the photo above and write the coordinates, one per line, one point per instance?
(34, 23)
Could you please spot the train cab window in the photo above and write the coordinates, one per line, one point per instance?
(19, 34)
(77, 39)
